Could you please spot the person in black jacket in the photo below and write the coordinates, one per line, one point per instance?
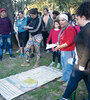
(35, 29)
(82, 42)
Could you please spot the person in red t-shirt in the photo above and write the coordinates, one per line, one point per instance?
(54, 37)
(67, 47)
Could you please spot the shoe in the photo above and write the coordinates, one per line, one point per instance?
(4, 51)
(65, 84)
(51, 64)
(32, 55)
(48, 51)
(12, 58)
(25, 64)
(7, 52)
(0, 59)
(17, 51)
(86, 99)
(21, 55)
(36, 65)
(62, 98)
(58, 65)
(60, 80)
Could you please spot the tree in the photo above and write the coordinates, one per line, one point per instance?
(7, 4)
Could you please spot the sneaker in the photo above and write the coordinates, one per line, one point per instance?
(17, 51)
(36, 65)
(12, 58)
(85, 99)
(32, 55)
(62, 98)
(58, 65)
(51, 64)
(21, 55)
(7, 52)
(25, 64)
(4, 51)
(60, 80)
(65, 84)
(0, 59)
(48, 51)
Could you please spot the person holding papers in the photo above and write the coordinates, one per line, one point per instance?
(54, 38)
(35, 29)
(67, 47)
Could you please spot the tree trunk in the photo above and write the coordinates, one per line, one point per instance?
(7, 4)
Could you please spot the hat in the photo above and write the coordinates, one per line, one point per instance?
(64, 16)
(2, 9)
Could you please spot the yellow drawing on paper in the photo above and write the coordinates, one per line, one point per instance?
(30, 81)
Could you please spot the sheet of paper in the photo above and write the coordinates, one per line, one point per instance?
(49, 46)
(28, 27)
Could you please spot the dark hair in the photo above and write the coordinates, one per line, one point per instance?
(40, 13)
(33, 11)
(46, 9)
(56, 13)
(21, 12)
(69, 16)
(58, 21)
(84, 10)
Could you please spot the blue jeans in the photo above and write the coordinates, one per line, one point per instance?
(5, 40)
(75, 78)
(67, 61)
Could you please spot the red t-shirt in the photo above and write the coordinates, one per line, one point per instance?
(53, 36)
(67, 36)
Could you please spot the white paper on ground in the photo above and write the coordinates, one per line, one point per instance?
(49, 46)
(16, 85)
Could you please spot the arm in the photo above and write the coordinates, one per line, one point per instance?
(17, 23)
(49, 38)
(70, 35)
(61, 46)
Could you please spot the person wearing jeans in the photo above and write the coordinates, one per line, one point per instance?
(67, 47)
(6, 38)
(82, 42)
(5, 33)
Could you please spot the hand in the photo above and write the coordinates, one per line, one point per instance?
(26, 28)
(81, 68)
(57, 44)
(55, 49)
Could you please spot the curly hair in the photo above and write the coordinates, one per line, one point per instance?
(84, 10)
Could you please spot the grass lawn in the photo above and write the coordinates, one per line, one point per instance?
(50, 91)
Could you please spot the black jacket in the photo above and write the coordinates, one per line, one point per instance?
(82, 42)
(36, 24)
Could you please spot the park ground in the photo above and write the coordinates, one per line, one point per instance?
(50, 91)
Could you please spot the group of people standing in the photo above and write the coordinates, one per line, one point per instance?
(59, 30)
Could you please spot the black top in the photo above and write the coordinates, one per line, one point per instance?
(36, 24)
(82, 42)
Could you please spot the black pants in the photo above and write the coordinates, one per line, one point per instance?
(75, 78)
(45, 36)
(23, 38)
(56, 54)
